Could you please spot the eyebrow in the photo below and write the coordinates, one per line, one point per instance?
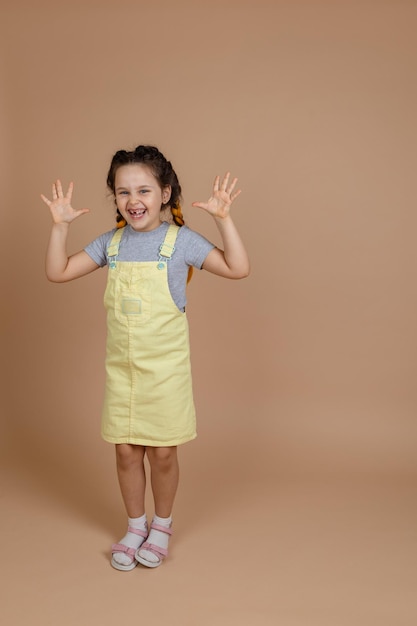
(140, 187)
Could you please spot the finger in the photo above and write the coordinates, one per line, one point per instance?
(45, 199)
(232, 186)
(54, 192)
(225, 181)
(200, 205)
(81, 212)
(235, 194)
(69, 192)
(216, 183)
(59, 189)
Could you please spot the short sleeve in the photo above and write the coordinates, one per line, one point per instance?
(97, 248)
(196, 247)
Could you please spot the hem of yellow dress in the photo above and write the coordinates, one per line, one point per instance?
(137, 441)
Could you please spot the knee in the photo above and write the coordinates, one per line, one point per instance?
(128, 455)
(162, 459)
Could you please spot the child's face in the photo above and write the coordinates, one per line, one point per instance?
(139, 196)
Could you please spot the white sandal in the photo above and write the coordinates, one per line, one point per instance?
(120, 547)
(159, 552)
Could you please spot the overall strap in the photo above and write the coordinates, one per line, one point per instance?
(166, 249)
(113, 248)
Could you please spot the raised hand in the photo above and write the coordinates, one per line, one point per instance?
(218, 205)
(60, 205)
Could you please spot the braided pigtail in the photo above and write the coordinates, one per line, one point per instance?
(120, 220)
(179, 221)
(177, 214)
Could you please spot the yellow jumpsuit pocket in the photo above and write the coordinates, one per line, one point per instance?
(130, 306)
(132, 303)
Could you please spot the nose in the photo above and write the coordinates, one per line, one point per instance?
(134, 200)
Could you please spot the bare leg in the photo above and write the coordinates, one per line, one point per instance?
(164, 478)
(132, 480)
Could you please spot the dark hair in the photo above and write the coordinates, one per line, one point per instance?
(160, 167)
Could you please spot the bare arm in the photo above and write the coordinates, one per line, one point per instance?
(59, 267)
(233, 261)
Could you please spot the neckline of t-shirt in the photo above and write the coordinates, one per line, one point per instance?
(146, 233)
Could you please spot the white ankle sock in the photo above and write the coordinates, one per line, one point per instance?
(157, 538)
(131, 540)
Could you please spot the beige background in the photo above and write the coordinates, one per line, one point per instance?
(297, 504)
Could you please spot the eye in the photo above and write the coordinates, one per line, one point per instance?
(143, 191)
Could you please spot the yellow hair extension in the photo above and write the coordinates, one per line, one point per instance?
(177, 215)
(179, 221)
(120, 222)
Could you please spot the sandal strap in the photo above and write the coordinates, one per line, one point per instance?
(120, 547)
(137, 531)
(162, 529)
(160, 552)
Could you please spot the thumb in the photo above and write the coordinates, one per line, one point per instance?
(82, 211)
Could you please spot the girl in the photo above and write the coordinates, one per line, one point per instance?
(148, 406)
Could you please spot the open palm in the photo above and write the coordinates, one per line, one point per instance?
(60, 205)
(218, 205)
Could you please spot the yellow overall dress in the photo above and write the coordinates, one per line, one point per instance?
(148, 397)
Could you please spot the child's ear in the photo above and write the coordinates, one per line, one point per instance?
(166, 194)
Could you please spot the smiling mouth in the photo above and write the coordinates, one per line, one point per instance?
(136, 212)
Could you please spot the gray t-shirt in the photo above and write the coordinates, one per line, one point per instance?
(191, 248)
